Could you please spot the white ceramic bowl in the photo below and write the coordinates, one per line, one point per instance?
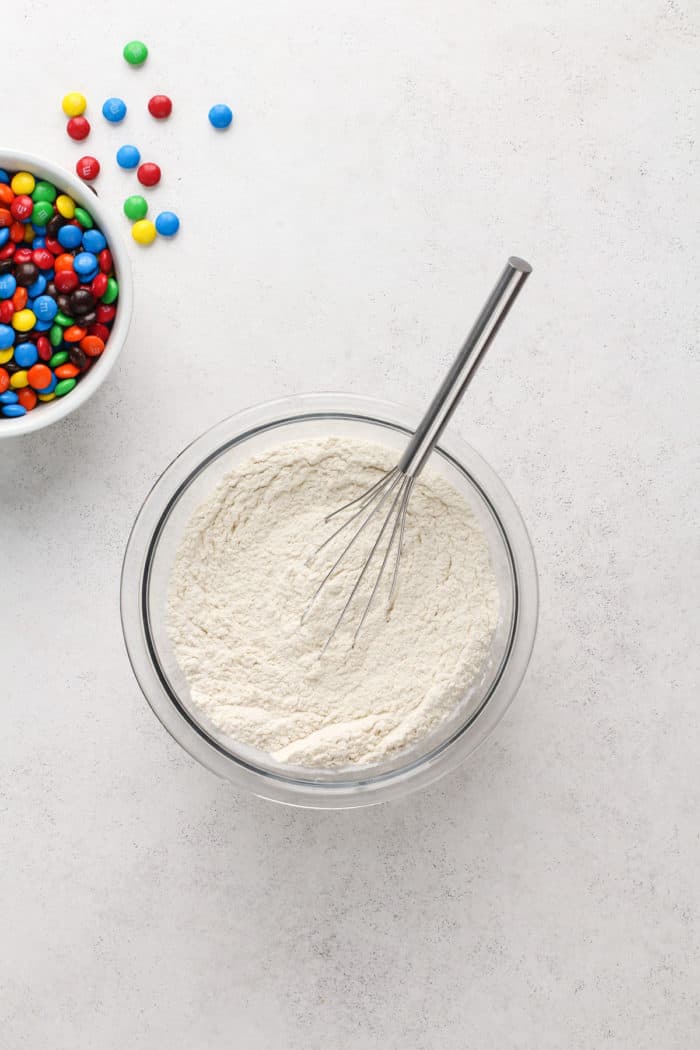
(51, 411)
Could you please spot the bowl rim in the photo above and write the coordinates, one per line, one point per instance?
(53, 411)
(134, 615)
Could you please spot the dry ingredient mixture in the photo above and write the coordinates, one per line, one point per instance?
(241, 582)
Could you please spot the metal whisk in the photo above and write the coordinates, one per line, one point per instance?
(393, 490)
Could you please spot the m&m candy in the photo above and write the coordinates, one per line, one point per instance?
(78, 128)
(114, 110)
(167, 224)
(128, 157)
(58, 293)
(135, 52)
(160, 106)
(143, 231)
(8, 284)
(88, 168)
(21, 207)
(148, 174)
(94, 241)
(44, 191)
(220, 116)
(23, 183)
(74, 104)
(70, 236)
(65, 206)
(24, 320)
(135, 207)
(41, 212)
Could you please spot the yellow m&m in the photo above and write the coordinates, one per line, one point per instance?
(23, 321)
(143, 231)
(74, 104)
(23, 183)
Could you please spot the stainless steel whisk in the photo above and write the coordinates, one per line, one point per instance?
(393, 490)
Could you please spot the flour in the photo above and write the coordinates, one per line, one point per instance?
(240, 584)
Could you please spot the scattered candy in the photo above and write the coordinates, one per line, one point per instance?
(128, 157)
(114, 110)
(220, 116)
(135, 207)
(74, 104)
(167, 224)
(58, 293)
(78, 128)
(135, 52)
(148, 174)
(160, 106)
(144, 232)
(88, 168)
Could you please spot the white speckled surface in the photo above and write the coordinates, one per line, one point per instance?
(385, 158)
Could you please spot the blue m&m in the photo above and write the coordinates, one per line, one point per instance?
(26, 355)
(114, 110)
(85, 263)
(8, 284)
(167, 224)
(70, 236)
(94, 241)
(128, 157)
(45, 308)
(220, 116)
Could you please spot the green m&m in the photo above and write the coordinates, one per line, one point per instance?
(135, 207)
(42, 212)
(64, 387)
(44, 191)
(84, 218)
(135, 52)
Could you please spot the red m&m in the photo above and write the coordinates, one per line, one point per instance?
(78, 128)
(160, 106)
(148, 174)
(88, 168)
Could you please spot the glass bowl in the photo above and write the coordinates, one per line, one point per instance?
(156, 535)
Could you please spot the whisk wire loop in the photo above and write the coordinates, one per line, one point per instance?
(400, 481)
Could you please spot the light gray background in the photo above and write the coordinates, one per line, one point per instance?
(385, 158)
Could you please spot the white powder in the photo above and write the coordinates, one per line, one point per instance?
(240, 584)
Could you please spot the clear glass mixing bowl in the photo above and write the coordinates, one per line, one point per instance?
(154, 540)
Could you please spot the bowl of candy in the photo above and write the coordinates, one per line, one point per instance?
(65, 293)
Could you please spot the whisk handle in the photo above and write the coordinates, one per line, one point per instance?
(464, 367)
